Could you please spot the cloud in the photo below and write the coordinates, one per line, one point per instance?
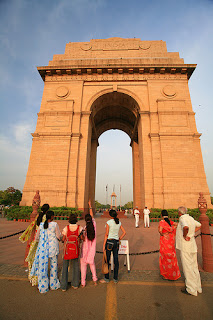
(21, 133)
(15, 151)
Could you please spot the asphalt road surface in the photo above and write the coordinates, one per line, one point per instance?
(125, 300)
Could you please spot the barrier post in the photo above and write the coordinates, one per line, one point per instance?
(205, 235)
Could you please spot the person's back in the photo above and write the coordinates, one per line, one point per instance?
(186, 221)
(71, 246)
(48, 249)
(113, 229)
(53, 236)
(111, 243)
(71, 252)
(88, 248)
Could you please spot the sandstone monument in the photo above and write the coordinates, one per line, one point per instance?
(128, 84)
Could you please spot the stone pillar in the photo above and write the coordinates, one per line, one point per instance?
(84, 160)
(92, 174)
(145, 158)
(72, 175)
(205, 235)
(158, 185)
(136, 175)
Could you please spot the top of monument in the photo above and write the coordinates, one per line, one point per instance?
(116, 48)
(129, 54)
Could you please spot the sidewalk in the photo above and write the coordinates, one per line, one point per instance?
(143, 267)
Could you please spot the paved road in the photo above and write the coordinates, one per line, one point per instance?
(125, 300)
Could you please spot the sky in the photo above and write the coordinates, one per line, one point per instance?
(31, 32)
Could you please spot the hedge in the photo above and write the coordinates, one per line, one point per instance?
(61, 213)
(173, 214)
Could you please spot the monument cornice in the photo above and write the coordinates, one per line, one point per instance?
(119, 68)
(174, 134)
(57, 134)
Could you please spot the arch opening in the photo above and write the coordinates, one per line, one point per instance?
(115, 110)
(114, 168)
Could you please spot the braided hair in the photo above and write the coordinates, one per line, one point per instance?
(113, 214)
(44, 209)
(164, 214)
(49, 215)
(90, 230)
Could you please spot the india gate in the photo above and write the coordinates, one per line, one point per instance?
(127, 84)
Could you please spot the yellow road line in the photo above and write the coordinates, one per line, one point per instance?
(111, 302)
(163, 284)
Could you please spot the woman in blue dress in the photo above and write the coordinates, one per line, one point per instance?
(48, 235)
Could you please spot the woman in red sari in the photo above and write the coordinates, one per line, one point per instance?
(168, 261)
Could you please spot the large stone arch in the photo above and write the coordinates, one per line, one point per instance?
(129, 84)
(117, 110)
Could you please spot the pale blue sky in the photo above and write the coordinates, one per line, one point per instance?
(31, 32)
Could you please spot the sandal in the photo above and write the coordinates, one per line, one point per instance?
(104, 281)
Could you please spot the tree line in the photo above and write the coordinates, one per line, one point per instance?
(10, 196)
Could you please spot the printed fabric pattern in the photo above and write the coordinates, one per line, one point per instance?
(169, 268)
(27, 233)
(40, 264)
(31, 256)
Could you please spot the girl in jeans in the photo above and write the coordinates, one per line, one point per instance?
(111, 243)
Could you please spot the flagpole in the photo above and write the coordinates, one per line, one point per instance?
(120, 197)
(106, 193)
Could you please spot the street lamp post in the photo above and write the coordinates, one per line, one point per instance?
(205, 235)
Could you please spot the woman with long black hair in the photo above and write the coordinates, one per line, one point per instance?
(48, 235)
(88, 248)
(30, 232)
(168, 261)
(111, 243)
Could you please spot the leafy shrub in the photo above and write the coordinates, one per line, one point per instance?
(173, 213)
(17, 212)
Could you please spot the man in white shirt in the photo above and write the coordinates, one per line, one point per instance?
(185, 242)
(146, 213)
(136, 213)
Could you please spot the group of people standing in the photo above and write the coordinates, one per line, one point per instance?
(180, 236)
(146, 213)
(78, 243)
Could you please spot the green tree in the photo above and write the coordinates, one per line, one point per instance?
(16, 198)
(128, 205)
(10, 196)
(99, 205)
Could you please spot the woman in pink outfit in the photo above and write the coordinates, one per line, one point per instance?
(88, 249)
